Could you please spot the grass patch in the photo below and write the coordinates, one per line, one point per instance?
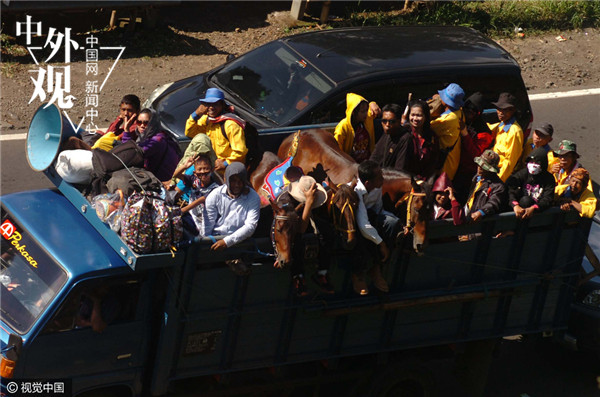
(9, 48)
(495, 17)
(8, 69)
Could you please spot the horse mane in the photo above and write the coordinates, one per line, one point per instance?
(391, 173)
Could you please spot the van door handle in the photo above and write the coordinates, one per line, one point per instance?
(122, 356)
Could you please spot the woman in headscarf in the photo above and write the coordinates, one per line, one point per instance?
(161, 151)
(422, 154)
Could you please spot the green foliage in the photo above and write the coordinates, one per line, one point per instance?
(8, 69)
(496, 17)
(9, 48)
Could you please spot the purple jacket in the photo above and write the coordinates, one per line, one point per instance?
(160, 155)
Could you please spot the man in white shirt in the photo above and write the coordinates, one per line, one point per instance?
(232, 210)
(375, 224)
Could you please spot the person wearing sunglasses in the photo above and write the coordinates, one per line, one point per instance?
(161, 151)
(390, 150)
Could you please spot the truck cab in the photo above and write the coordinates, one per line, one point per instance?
(58, 278)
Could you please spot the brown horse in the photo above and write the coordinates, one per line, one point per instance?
(318, 152)
(342, 203)
(417, 212)
(319, 147)
(286, 222)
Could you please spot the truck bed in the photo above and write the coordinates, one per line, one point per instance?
(455, 292)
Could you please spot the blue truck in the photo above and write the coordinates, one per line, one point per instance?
(179, 317)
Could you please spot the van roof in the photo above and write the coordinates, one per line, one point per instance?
(344, 53)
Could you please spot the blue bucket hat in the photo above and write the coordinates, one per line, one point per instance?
(213, 95)
(453, 95)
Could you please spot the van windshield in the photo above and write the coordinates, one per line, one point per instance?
(29, 277)
(274, 82)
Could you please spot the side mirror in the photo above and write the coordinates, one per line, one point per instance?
(15, 344)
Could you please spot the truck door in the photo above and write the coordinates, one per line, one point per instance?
(95, 338)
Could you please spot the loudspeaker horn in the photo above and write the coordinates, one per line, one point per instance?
(47, 130)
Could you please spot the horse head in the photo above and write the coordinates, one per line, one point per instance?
(342, 207)
(418, 213)
(286, 224)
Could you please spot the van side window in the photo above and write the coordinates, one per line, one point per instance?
(423, 86)
(334, 110)
(97, 304)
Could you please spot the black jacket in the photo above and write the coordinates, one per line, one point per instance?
(539, 187)
(490, 198)
(390, 152)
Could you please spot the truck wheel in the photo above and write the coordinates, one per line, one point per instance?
(404, 380)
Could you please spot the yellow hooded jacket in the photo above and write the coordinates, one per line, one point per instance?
(586, 199)
(447, 129)
(344, 132)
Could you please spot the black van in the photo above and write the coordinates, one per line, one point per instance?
(303, 79)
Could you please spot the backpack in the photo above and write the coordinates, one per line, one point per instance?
(132, 180)
(137, 224)
(127, 154)
(168, 225)
(148, 224)
(255, 151)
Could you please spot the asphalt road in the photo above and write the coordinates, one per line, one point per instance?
(520, 369)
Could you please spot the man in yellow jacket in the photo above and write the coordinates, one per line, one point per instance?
(508, 134)
(355, 133)
(447, 127)
(576, 195)
(541, 137)
(225, 130)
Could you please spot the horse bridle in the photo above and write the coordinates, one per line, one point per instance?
(337, 224)
(408, 228)
(275, 219)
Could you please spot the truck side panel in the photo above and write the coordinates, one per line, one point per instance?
(457, 291)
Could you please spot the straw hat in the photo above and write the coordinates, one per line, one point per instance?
(297, 190)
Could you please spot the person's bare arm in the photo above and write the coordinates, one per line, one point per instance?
(186, 164)
(193, 204)
(310, 199)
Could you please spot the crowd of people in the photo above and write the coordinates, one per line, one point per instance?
(485, 168)
(478, 169)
